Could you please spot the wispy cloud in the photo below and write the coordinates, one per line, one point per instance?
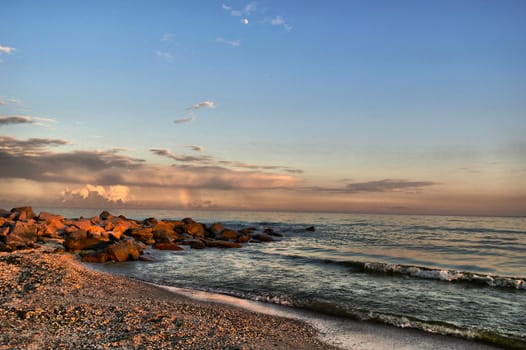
(250, 7)
(196, 148)
(280, 21)
(166, 56)
(23, 119)
(233, 43)
(204, 104)
(247, 10)
(6, 49)
(181, 158)
(184, 120)
(168, 37)
(386, 185)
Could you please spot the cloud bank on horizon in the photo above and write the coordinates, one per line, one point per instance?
(260, 105)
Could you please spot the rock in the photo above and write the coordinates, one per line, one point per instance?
(310, 228)
(216, 229)
(167, 246)
(4, 213)
(5, 248)
(82, 224)
(247, 230)
(80, 240)
(45, 216)
(127, 249)
(164, 232)
(23, 213)
(96, 257)
(194, 228)
(144, 235)
(146, 258)
(228, 234)
(243, 238)
(22, 235)
(105, 215)
(222, 244)
(4, 231)
(271, 232)
(262, 237)
(149, 222)
(194, 243)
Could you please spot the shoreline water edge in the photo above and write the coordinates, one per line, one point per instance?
(52, 300)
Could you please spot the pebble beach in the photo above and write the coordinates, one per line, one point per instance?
(51, 300)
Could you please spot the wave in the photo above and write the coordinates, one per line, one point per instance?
(422, 272)
(401, 321)
(443, 328)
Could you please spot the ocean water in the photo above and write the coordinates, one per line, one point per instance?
(461, 276)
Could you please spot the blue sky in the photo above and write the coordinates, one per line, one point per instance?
(386, 106)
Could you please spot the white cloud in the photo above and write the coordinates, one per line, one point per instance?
(280, 21)
(112, 194)
(226, 7)
(204, 104)
(167, 56)
(233, 43)
(250, 7)
(7, 49)
(168, 37)
(236, 13)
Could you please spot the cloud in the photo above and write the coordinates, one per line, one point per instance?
(96, 196)
(196, 148)
(204, 104)
(6, 49)
(168, 37)
(236, 13)
(184, 120)
(233, 43)
(24, 119)
(250, 7)
(181, 158)
(4, 100)
(379, 186)
(11, 145)
(166, 56)
(280, 21)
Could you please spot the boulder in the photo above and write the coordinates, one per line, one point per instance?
(227, 234)
(23, 213)
(243, 238)
(310, 228)
(4, 230)
(194, 229)
(247, 230)
(222, 244)
(96, 257)
(144, 235)
(164, 232)
(5, 248)
(167, 246)
(216, 229)
(262, 237)
(22, 235)
(105, 215)
(271, 232)
(82, 224)
(125, 250)
(80, 240)
(45, 216)
(194, 243)
(4, 213)
(149, 222)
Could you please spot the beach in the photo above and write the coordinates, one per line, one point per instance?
(51, 300)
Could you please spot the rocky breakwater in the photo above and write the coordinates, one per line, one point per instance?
(116, 238)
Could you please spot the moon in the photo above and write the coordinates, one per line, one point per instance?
(245, 21)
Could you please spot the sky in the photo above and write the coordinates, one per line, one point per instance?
(403, 107)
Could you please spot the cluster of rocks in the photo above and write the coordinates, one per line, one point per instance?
(116, 238)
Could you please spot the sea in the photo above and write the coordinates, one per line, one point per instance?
(452, 275)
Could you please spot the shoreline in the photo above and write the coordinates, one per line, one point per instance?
(51, 300)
